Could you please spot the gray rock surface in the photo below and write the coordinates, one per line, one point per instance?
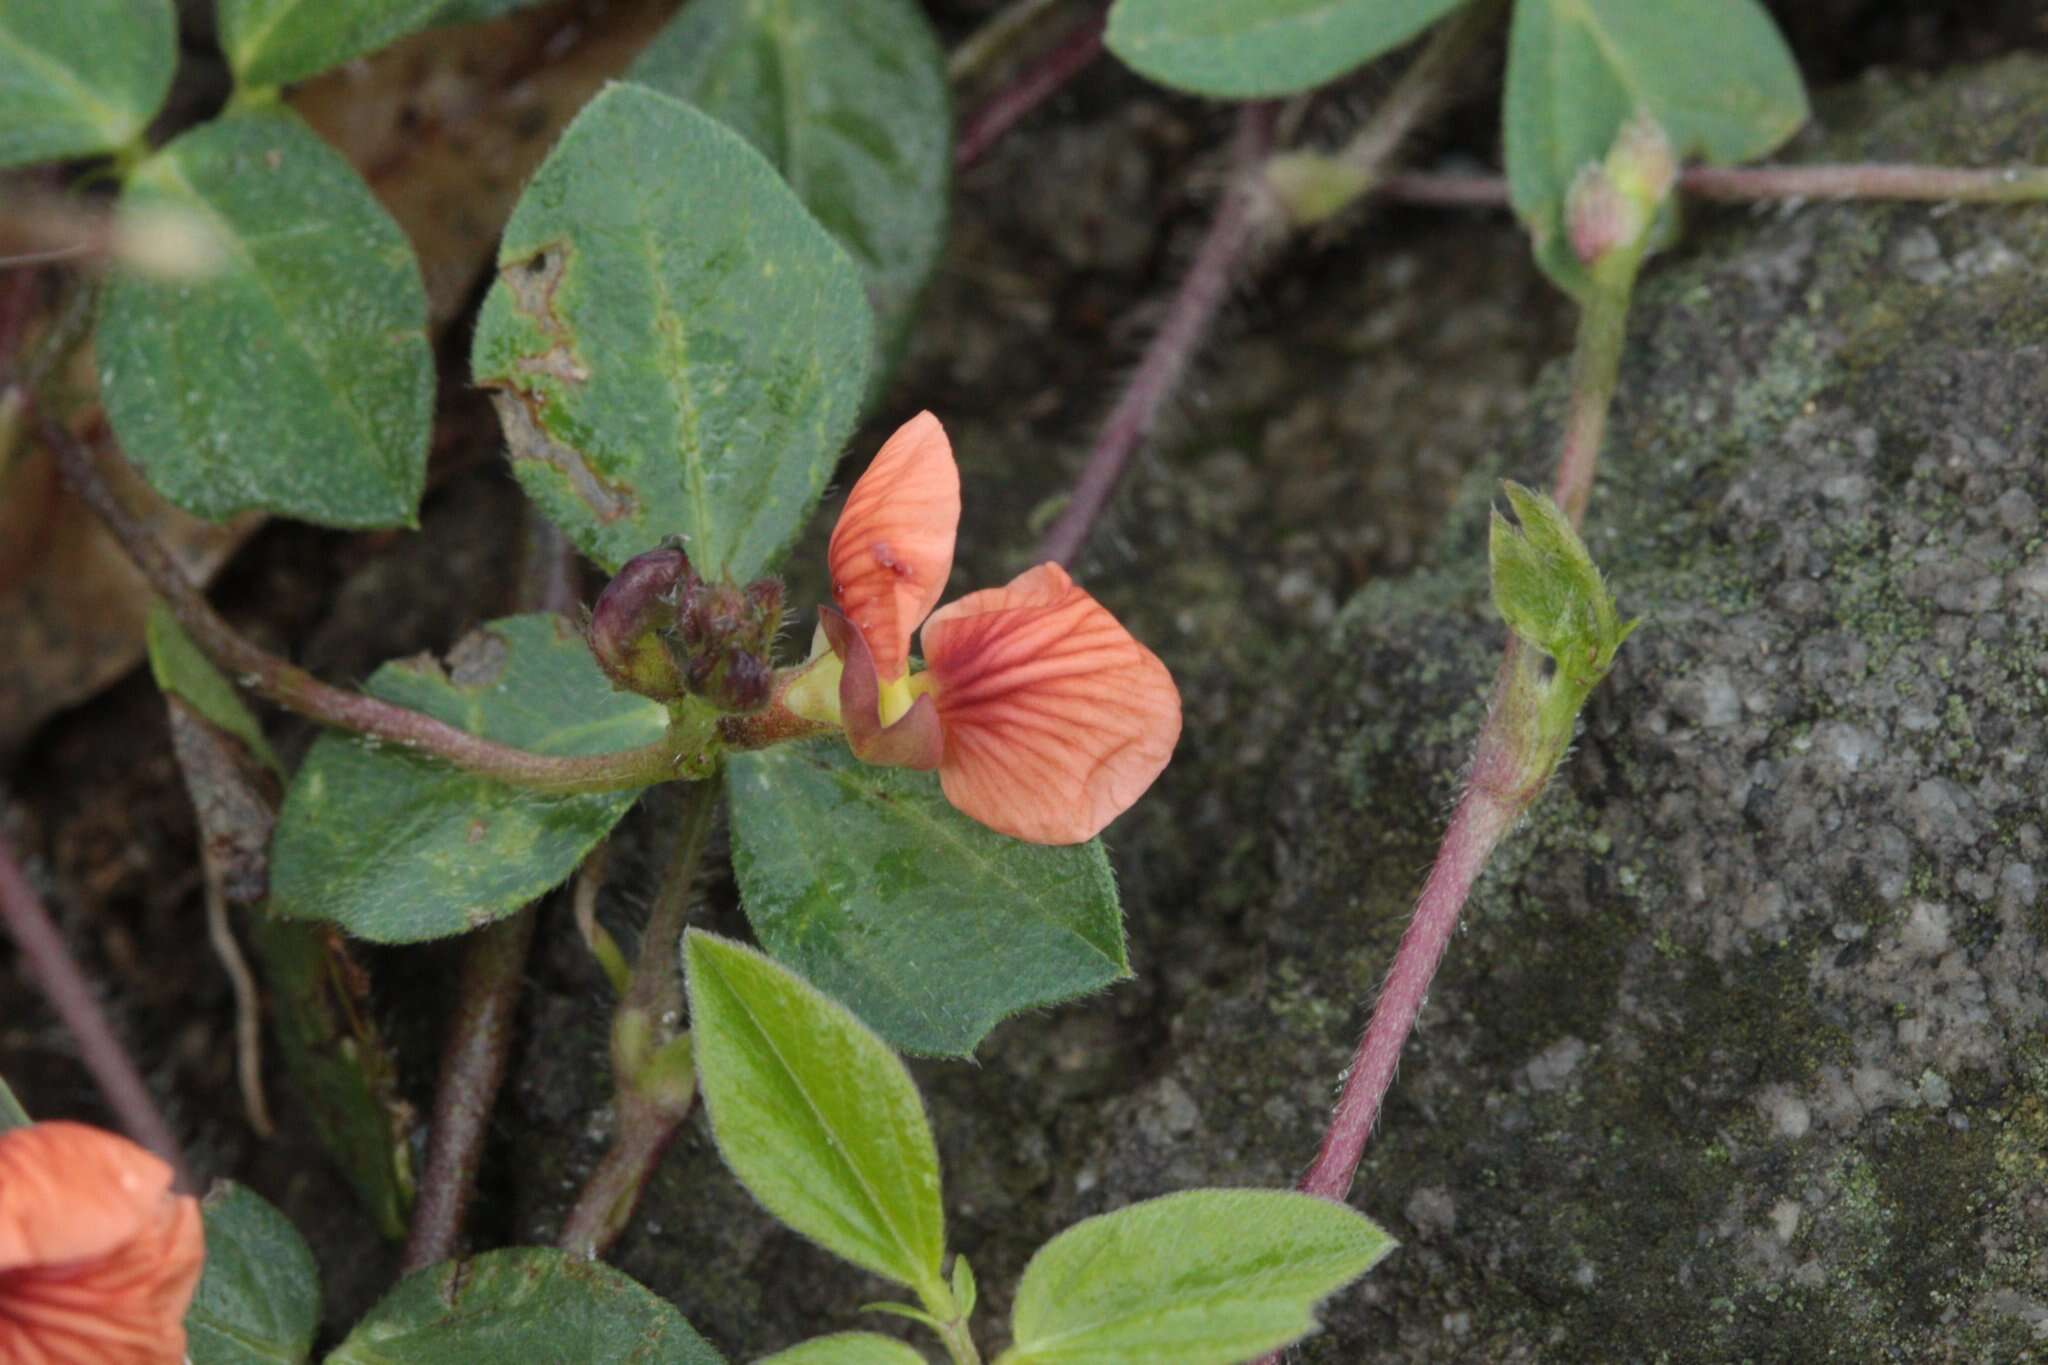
(1741, 1052)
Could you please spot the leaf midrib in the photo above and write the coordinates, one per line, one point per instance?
(840, 1151)
(113, 122)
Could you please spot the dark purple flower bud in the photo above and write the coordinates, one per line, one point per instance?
(631, 615)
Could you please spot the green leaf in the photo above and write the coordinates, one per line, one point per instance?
(258, 1301)
(522, 1304)
(81, 76)
(295, 377)
(848, 99)
(680, 347)
(1255, 49)
(1715, 74)
(269, 42)
(929, 926)
(12, 1115)
(396, 847)
(847, 1348)
(339, 1062)
(814, 1114)
(181, 670)
(1548, 590)
(1204, 1277)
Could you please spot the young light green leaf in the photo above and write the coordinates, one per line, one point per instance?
(341, 1067)
(1548, 590)
(181, 670)
(395, 847)
(269, 42)
(847, 1348)
(965, 1292)
(814, 1114)
(848, 99)
(12, 1115)
(294, 376)
(1205, 1277)
(850, 873)
(678, 346)
(258, 1301)
(81, 76)
(1715, 74)
(1256, 49)
(522, 1304)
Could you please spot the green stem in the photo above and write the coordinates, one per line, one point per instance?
(686, 751)
(647, 1026)
(1596, 369)
(959, 1342)
(949, 1320)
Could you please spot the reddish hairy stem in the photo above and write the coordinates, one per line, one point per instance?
(1500, 788)
(1159, 373)
(1034, 85)
(1741, 184)
(63, 984)
(1518, 749)
(298, 691)
(472, 1069)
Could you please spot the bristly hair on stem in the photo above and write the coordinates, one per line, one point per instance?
(1551, 595)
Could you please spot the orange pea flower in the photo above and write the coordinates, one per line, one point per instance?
(98, 1259)
(1044, 718)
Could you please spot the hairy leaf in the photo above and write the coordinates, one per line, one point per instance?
(1256, 49)
(848, 99)
(678, 346)
(395, 847)
(522, 1304)
(81, 76)
(930, 927)
(814, 1114)
(847, 1348)
(293, 376)
(269, 42)
(258, 1301)
(1205, 1277)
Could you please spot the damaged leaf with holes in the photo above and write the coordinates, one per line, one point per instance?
(675, 346)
